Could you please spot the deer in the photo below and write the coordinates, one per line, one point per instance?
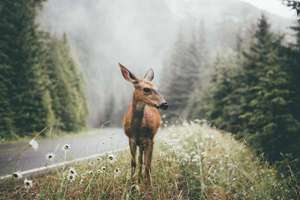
(142, 121)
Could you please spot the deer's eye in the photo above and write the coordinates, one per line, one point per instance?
(147, 90)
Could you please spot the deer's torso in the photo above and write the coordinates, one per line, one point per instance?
(141, 122)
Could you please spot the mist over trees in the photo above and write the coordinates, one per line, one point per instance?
(140, 35)
(215, 64)
(185, 70)
(40, 84)
(252, 93)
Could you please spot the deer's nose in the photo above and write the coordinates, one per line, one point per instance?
(164, 105)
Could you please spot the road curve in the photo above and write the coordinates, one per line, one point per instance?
(18, 157)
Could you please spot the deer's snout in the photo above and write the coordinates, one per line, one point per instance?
(164, 105)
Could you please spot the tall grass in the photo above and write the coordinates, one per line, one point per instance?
(192, 161)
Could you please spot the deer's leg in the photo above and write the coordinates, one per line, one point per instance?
(132, 145)
(148, 158)
(141, 152)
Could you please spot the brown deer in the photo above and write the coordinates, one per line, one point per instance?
(142, 120)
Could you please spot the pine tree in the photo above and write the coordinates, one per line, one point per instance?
(6, 69)
(259, 101)
(221, 101)
(181, 75)
(294, 63)
(29, 100)
(40, 85)
(66, 85)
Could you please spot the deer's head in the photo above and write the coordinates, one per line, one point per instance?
(145, 90)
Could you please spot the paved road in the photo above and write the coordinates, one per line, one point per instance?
(18, 156)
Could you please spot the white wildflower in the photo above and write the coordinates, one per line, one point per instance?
(99, 159)
(72, 171)
(50, 156)
(28, 183)
(111, 158)
(17, 175)
(71, 177)
(103, 169)
(92, 163)
(117, 172)
(66, 147)
(34, 144)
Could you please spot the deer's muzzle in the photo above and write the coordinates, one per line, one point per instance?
(164, 105)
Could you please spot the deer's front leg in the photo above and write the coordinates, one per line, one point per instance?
(132, 145)
(148, 158)
(141, 152)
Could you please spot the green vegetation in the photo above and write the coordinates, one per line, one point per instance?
(40, 85)
(259, 100)
(254, 94)
(193, 161)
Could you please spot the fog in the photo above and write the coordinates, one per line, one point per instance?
(140, 35)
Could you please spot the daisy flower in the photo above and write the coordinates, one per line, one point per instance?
(17, 175)
(91, 163)
(117, 172)
(34, 144)
(111, 158)
(66, 147)
(99, 159)
(103, 168)
(50, 156)
(28, 183)
(71, 177)
(72, 171)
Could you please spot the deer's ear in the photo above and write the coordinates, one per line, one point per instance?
(149, 76)
(127, 74)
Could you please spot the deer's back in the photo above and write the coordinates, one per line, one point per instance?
(149, 124)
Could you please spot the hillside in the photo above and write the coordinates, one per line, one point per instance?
(192, 161)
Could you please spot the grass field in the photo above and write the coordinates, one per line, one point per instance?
(192, 161)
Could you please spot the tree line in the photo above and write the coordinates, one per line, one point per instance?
(254, 93)
(40, 84)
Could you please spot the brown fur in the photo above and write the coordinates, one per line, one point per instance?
(151, 121)
(141, 121)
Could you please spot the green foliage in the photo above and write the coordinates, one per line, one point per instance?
(27, 97)
(260, 100)
(65, 86)
(26, 80)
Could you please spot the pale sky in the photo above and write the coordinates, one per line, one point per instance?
(273, 6)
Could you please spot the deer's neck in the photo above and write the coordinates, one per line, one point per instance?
(137, 114)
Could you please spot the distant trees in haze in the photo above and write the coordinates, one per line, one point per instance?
(40, 85)
(253, 93)
(294, 4)
(181, 74)
(262, 103)
(65, 86)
